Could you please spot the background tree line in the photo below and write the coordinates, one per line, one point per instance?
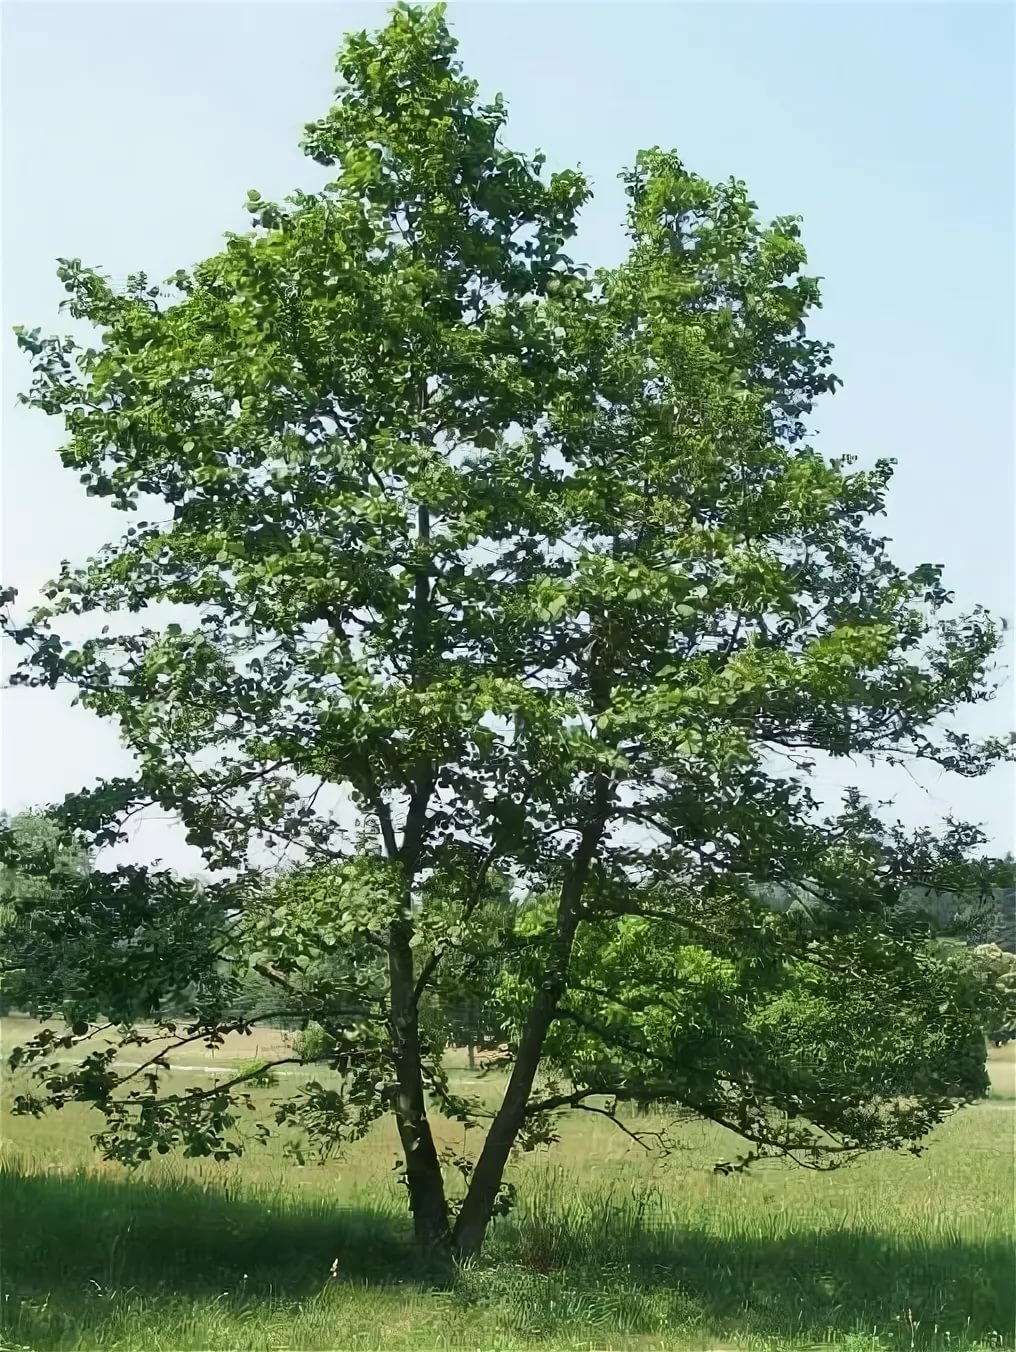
(41, 969)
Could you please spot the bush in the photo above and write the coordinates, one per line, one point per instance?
(258, 1074)
(313, 1043)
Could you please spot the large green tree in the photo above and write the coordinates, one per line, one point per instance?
(496, 563)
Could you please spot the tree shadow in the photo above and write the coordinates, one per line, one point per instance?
(72, 1241)
(924, 1291)
(90, 1229)
(847, 1279)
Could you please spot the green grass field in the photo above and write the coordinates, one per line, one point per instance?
(610, 1248)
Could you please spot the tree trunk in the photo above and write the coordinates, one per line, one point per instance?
(427, 1200)
(485, 1183)
(475, 1033)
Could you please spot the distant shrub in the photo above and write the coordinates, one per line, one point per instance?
(259, 1074)
(313, 1043)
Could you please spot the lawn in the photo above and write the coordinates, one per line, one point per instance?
(610, 1248)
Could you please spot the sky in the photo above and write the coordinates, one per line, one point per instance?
(132, 132)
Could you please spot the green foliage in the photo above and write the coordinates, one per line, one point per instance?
(258, 1074)
(989, 975)
(37, 860)
(535, 570)
(124, 944)
(748, 1030)
(313, 1043)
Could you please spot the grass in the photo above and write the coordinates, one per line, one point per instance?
(610, 1248)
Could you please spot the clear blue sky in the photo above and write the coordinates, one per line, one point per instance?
(133, 131)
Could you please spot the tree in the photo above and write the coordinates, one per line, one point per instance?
(991, 972)
(34, 872)
(128, 944)
(529, 569)
(985, 916)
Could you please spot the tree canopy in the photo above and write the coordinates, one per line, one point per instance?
(495, 565)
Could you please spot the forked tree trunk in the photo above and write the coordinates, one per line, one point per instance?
(485, 1183)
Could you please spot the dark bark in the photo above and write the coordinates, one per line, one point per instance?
(427, 1200)
(485, 1183)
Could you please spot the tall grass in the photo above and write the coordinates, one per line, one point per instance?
(632, 1259)
(610, 1248)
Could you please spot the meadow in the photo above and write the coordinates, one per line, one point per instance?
(611, 1247)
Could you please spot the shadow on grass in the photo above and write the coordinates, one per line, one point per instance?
(71, 1240)
(119, 1232)
(923, 1288)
